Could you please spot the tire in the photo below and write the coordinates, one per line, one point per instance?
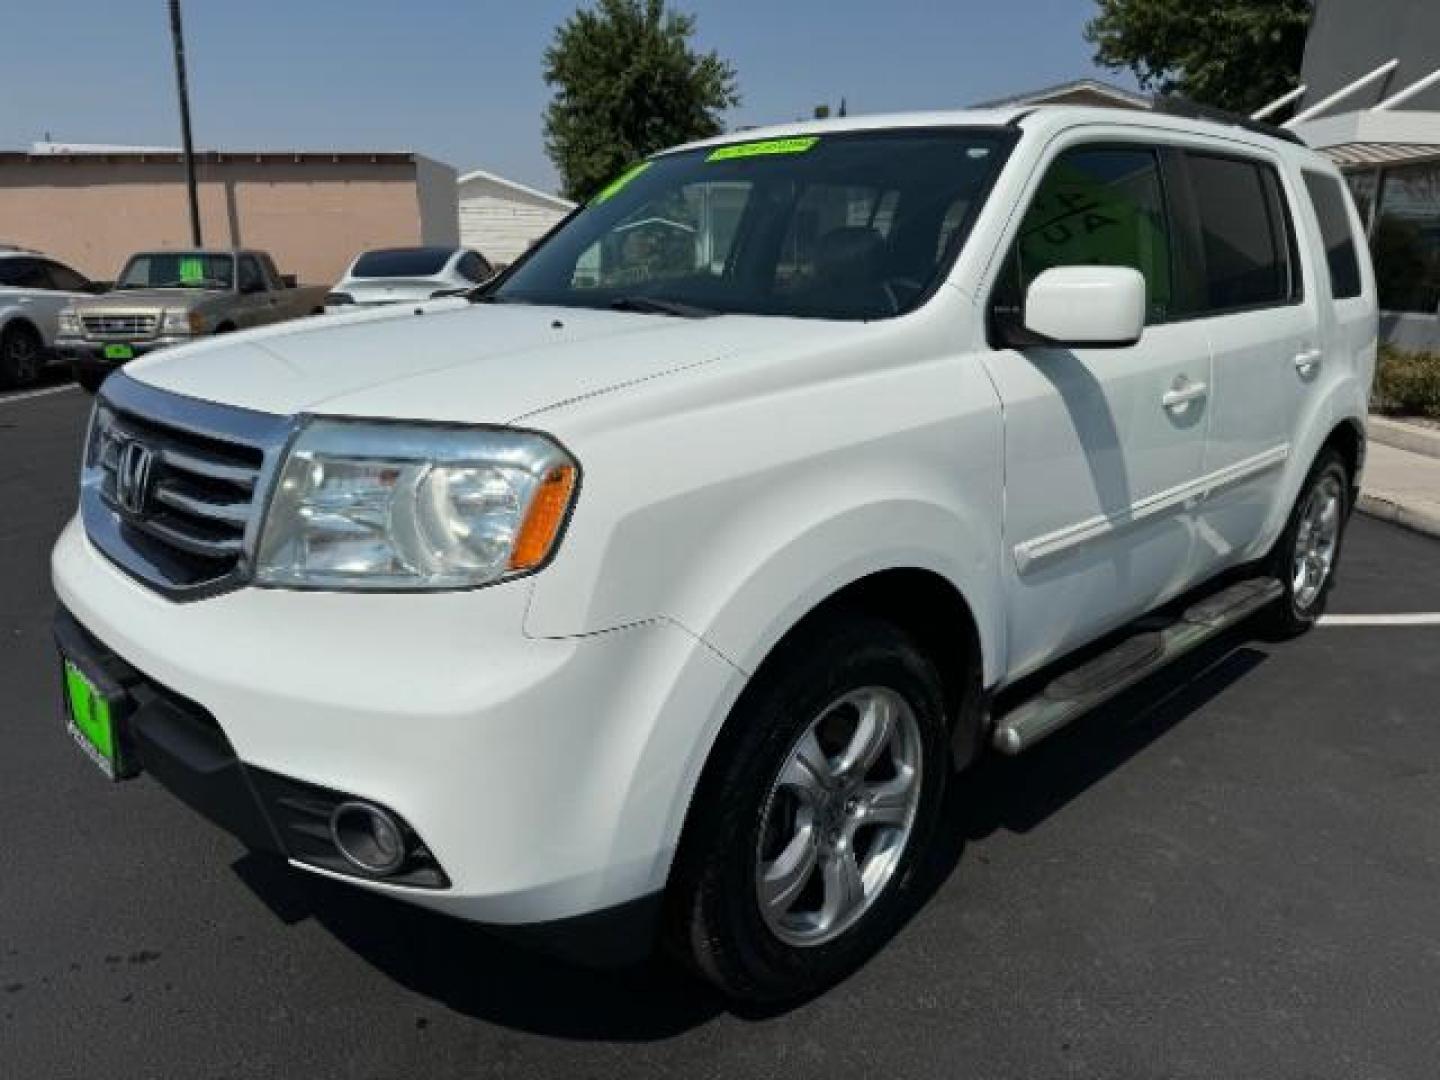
(22, 355)
(89, 379)
(1315, 532)
(757, 807)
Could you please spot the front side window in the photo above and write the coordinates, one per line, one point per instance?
(1245, 233)
(1096, 206)
(178, 270)
(855, 225)
(1329, 201)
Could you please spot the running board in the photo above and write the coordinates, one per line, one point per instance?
(1080, 689)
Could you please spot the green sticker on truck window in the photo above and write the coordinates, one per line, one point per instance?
(619, 182)
(764, 148)
(192, 270)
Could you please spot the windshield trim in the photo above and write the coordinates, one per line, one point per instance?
(1006, 137)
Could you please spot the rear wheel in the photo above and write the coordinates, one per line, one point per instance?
(22, 354)
(801, 853)
(1305, 557)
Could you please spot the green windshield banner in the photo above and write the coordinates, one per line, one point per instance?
(616, 185)
(192, 270)
(764, 148)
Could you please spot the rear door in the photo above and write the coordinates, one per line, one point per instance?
(1102, 445)
(1260, 317)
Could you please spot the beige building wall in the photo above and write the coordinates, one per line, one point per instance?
(313, 214)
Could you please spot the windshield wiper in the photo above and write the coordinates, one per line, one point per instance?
(655, 305)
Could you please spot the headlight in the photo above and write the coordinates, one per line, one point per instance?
(180, 321)
(373, 505)
(68, 323)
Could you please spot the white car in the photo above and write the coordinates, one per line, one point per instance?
(403, 275)
(664, 601)
(34, 289)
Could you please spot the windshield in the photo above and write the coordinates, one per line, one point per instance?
(402, 262)
(178, 270)
(857, 225)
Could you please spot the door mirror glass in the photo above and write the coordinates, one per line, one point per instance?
(1086, 305)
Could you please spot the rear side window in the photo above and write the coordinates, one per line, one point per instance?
(1245, 233)
(1329, 202)
(473, 268)
(65, 279)
(1096, 206)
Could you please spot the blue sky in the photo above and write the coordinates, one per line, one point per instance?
(460, 80)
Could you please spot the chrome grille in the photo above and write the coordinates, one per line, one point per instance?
(173, 487)
(120, 325)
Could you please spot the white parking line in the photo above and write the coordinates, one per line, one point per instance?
(28, 395)
(9, 399)
(1431, 618)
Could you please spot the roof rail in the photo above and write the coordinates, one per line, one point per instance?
(1178, 106)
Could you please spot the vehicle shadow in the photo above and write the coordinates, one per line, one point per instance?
(1018, 794)
(478, 974)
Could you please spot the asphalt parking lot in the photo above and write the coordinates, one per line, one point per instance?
(1232, 871)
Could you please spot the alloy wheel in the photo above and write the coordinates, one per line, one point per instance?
(1316, 541)
(839, 816)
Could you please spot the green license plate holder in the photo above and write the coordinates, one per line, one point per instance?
(95, 717)
(119, 352)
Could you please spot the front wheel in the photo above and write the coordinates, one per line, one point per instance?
(1308, 551)
(22, 354)
(801, 854)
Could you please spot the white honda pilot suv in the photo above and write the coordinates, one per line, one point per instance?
(658, 593)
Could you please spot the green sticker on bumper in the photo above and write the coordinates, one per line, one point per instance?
(619, 182)
(764, 148)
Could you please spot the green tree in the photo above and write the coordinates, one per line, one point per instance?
(1232, 54)
(628, 83)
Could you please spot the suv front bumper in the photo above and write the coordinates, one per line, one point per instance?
(547, 777)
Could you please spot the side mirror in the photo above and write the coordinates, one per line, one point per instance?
(1086, 305)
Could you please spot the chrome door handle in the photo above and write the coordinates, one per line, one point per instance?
(1182, 393)
(1306, 362)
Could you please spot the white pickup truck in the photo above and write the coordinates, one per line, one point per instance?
(661, 592)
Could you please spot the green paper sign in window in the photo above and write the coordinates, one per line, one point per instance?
(192, 270)
(764, 148)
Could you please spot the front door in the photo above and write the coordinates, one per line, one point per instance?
(1103, 446)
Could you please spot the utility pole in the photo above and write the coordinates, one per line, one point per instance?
(177, 38)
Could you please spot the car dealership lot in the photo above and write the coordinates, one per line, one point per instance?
(1231, 871)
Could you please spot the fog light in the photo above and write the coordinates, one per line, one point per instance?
(368, 837)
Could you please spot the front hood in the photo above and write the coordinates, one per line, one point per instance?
(149, 299)
(453, 361)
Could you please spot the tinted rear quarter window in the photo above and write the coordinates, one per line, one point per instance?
(1245, 233)
(1329, 203)
(402, 262)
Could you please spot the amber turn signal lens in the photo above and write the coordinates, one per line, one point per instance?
(543, 521)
